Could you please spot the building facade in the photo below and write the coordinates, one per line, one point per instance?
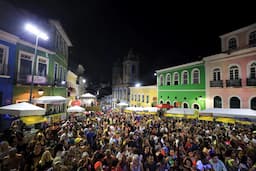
(72, 86)
(182, 86)
(50, 70)
(231, 75)
(124, 75)
(7, 66)
(49, 64)
(143, 96)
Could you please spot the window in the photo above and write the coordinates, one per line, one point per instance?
(234, 102)
(185, 105)
(2, 55)
(132, 97)
(253, 70)
(142, 98)
(161, 102)
(216, 74)
(233, 73)
(1, 98)
(55, 71)
(217, 102)
(3, 60)
(25, 66)
(135, 97)
(252, 39)
(147, 99)
(133, 69)
(60, 73)
(64, 75)
(168, 79)
(161, 80)
(167, 102)
(42, 66)
(176, 78)
(232, 44)
(253, 103)
(195, 76)
(196, 106)
(138, 98)
(185, 77)
(120, 94)
(175, 104)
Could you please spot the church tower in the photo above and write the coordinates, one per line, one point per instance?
(131, 68)
(117, 73)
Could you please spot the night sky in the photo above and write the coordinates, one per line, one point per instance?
(162, 34)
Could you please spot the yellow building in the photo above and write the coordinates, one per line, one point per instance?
(143, 96)
(72, 85)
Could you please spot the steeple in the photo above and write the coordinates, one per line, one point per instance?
(131, 55)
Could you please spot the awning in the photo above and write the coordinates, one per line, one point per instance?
(50, 100)
(162, 106)
(30, 120)
(243, 114)
(22, 109)
(185, 111)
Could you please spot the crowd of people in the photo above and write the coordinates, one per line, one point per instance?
(129, 142)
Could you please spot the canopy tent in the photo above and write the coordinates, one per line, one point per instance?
(181, 112)
(142, 110)
(122, 104)
(87, 95)
(22, 109)
(230, 113)
(74, 109)
(50, 100)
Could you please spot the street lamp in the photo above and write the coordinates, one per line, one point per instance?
(39, 34)
(40, 91)
(137, 84)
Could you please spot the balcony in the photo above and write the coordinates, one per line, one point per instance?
(234, 83)
(251, 81)
(216, 83)
(4, 69)
(27, 79)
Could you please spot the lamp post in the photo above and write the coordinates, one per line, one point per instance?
(39, 34)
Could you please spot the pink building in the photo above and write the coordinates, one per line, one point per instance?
(231, 75)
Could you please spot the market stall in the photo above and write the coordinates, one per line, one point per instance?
(55, 107)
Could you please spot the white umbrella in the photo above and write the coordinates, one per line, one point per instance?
(22, 109)
(75, 109)
(87, 95)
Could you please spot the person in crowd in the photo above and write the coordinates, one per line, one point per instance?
(45, 162)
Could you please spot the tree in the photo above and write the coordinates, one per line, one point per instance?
(80, 70)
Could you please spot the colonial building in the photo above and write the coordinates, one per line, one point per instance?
(48, 62)
(182, 86)
(143, 96)
(124, 75)
(7, 66)
(231, 75)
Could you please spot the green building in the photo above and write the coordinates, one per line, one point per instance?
(182, 86)
(51, 65)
